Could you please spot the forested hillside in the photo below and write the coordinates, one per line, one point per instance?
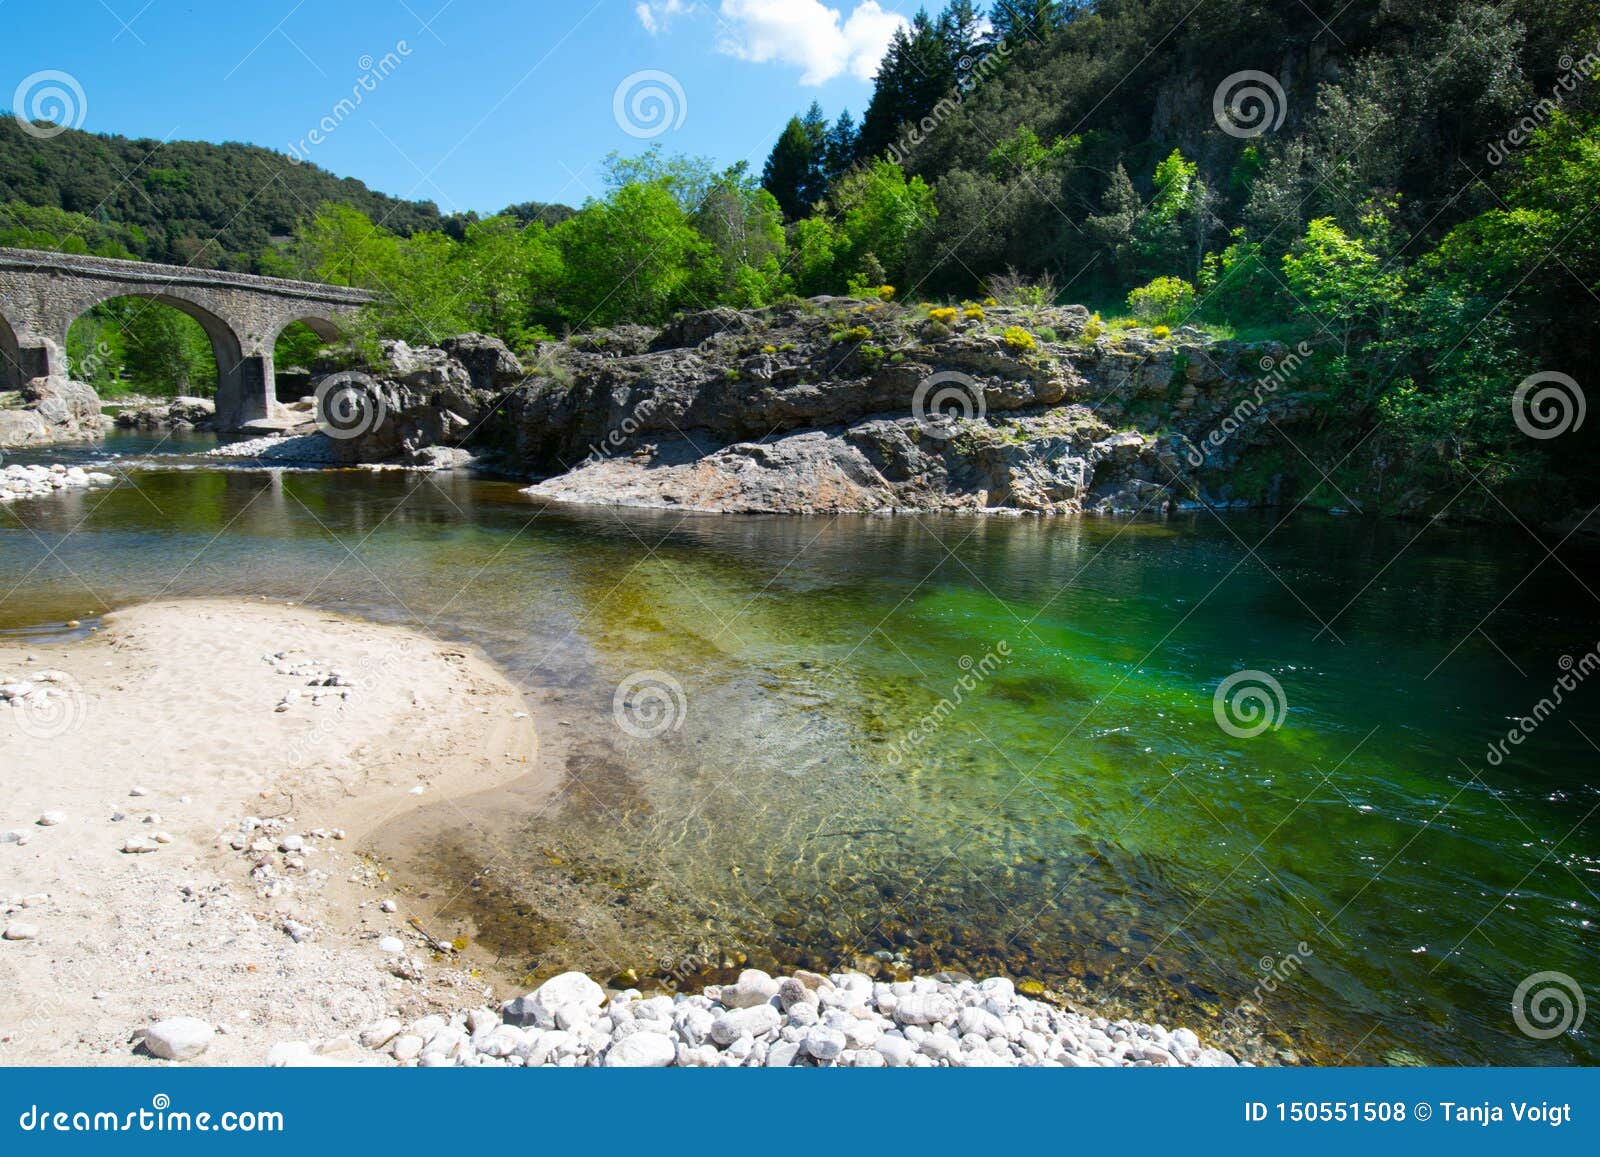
(217, 206)
(1405, 185)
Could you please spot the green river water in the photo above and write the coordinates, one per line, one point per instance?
(1361, 884)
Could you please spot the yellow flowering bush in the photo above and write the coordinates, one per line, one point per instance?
(1019, 340)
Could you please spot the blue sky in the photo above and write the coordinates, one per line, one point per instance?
(483, 102)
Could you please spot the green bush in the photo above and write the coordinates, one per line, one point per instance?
(1165, 301)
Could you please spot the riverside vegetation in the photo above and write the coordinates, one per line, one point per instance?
(1398, 212)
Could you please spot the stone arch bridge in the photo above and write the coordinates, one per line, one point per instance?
(42, 294)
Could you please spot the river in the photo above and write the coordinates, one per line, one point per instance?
(989, 745)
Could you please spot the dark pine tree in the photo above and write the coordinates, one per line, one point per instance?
(839, 150)
(796, 172)
(1023, 22)
(961, 28)
(917, 72)
(788, 170)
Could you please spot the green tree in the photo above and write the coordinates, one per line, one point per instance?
(630, 257)
(1342, 282)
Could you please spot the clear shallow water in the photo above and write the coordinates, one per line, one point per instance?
(1079, 817)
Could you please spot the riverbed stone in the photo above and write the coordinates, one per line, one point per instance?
(651, 1050)
(178, 1038)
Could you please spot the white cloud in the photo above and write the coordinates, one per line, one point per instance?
(655, 15)
(808, 35)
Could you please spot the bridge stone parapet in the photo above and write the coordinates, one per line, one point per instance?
(42, 294)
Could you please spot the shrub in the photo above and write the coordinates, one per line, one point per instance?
(1047, 334)
(1161, 333)
(856, 333)
(769, 349)
(1019, 340)
(1014, 288)
(1092, 331)
(1163, 301)
(943, 315)
(973, 313)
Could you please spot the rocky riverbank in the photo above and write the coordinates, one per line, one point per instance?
(843, 1020)
(832, 405)
(48, 410)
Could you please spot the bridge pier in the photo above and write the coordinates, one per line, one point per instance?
(244, 391)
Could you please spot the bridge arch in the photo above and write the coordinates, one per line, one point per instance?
(226, 346)
(322, 324)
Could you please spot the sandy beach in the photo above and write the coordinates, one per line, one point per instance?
(182, 808)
